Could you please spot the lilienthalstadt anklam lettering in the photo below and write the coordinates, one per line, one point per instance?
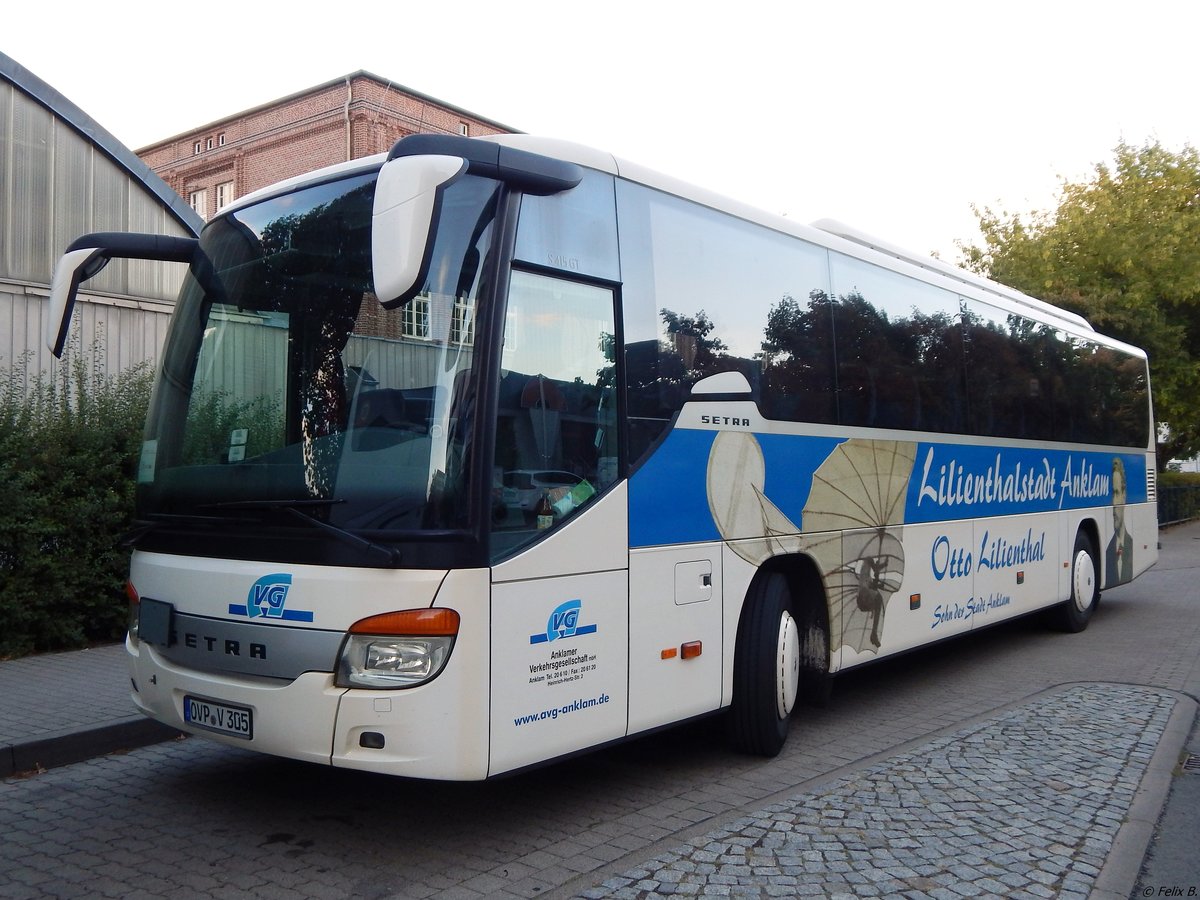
(957, 485)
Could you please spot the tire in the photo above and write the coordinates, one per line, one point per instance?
(1073, 615)
(766, 669)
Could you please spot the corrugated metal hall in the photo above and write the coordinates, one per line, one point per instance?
(63, 175)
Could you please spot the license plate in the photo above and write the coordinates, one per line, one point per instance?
(219, 717)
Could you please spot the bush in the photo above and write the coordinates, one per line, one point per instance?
(69, 445)
(1178, 479)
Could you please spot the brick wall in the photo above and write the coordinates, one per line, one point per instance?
(318, 127)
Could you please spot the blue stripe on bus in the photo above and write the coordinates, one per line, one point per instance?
(668, 496)
(790, 463)
(289, 615)
(543, 638)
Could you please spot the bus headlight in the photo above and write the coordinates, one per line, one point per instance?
(397, 650)
(384, 662)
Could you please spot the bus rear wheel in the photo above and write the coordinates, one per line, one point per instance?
(766, 670)
(1076, 612)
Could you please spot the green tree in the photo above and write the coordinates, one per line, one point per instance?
(1123, 250)
(690, 338)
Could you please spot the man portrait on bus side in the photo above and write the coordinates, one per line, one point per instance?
(1118, 558)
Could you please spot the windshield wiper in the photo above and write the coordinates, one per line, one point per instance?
(143, 527)
(277, 503)
(294, 507)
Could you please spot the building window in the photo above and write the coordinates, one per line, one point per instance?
(464, 129)
(198, 200)
(198, 147)
(415, 321)
(220, 140)
(462, 327)
(210, 143)
(224, 194)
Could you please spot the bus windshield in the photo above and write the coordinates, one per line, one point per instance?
(288, 391)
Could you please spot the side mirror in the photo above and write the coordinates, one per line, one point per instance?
(407, 198)
(87, 255)
(409, 190)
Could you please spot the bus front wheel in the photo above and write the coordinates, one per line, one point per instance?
(766, 670)
(1076, 612)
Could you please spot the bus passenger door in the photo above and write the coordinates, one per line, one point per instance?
(559, 528)
(674, 633)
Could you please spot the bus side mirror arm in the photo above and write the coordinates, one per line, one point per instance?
(87, 255)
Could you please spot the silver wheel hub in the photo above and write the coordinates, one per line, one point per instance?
(787, 662)
(1083, 576)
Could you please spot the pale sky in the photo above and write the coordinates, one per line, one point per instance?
(891, 116)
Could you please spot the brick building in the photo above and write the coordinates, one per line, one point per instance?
(344, 119)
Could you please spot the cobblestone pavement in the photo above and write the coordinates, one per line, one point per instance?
(1023, 805)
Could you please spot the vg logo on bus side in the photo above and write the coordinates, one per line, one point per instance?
(563, 623)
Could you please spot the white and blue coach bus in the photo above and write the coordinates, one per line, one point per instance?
(493, 451)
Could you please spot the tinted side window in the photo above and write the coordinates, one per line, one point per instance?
(705, 293)
(1030, 380)
(827, 338)
(899, 350)
(1126, 399)
(799, 381)
(1105, 400)
(1010, 367)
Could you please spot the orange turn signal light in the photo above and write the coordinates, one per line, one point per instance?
(691, 649)
(410, 622)
(670, 653)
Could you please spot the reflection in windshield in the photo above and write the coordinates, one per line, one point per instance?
(284, 380)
